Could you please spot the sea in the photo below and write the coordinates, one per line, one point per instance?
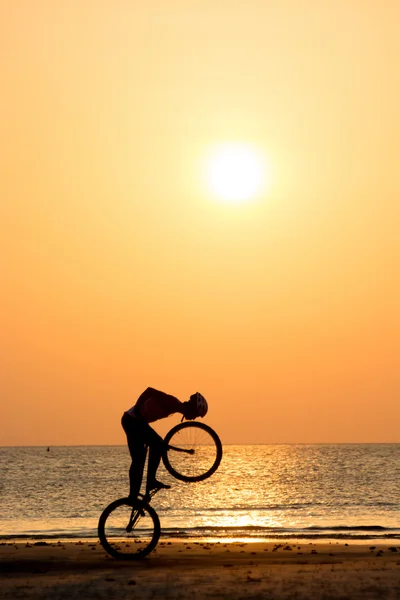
(260, 492)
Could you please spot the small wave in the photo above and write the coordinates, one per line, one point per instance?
(343, 528)
(357, 532)
(247, 508)
(373, 532)
(352, 528)
(61, 535)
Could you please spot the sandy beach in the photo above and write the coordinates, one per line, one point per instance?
(196, 570)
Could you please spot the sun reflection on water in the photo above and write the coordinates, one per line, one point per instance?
(258, 492)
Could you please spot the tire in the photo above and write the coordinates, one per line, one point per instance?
(207, 451)
(133, 545)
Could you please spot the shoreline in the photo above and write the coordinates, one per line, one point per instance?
(202, 569)
(360, 541)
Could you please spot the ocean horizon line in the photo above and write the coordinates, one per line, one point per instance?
(224, 444)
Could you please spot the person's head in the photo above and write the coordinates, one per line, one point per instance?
(199, 404)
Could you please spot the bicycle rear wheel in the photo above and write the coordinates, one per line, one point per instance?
(128, 531)
(205, 459)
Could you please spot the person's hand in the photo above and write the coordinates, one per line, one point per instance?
(189, 411)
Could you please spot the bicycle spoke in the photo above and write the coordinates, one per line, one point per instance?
(206, 452)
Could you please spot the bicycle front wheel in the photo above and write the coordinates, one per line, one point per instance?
(205, 447)
(129, 531)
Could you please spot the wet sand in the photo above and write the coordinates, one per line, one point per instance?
(197, 570)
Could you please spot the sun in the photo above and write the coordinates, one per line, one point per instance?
(235, 172)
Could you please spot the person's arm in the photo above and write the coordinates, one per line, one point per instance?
(173, 405)
(169, 403)
(154, 405)
(148, 393)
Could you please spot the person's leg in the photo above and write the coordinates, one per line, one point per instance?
(137, 450)
(156, 448)
(138, 455)
(155, 452)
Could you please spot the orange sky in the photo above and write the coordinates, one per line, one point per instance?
(118, 269)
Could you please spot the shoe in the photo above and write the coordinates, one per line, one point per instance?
(157, 485)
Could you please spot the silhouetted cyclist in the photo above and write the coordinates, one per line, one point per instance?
(153, 405)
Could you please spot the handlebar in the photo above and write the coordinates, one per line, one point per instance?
(187, 451)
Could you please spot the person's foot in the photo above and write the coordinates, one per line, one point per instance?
(157, 485)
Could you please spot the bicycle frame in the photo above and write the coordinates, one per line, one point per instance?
(140, 525)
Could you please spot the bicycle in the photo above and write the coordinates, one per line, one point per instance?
(131, 529)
